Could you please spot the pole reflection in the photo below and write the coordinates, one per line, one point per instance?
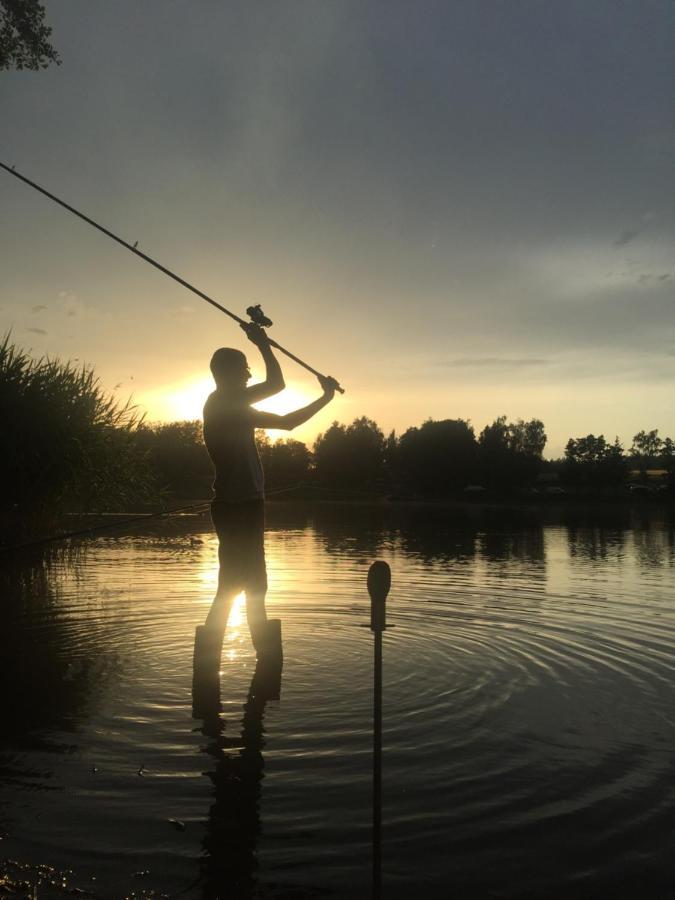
(230, 862)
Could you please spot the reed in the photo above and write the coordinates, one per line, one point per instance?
(65, 445)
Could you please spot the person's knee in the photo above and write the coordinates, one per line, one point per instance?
(257, 588)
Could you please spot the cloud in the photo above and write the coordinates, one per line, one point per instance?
(72, 305)
(647, 278)
(625, 237)
(37, 309)
(495, 362)
(37, 330)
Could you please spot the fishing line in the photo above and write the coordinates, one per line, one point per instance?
(118, 523)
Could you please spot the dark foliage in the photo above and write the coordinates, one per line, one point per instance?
(592, 462)
(24, 37)
(510, 454)
(350, 455)
(70, 447)
(286, 462)
(439, 457)
(178, 459)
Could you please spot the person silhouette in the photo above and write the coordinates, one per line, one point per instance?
(238, 507)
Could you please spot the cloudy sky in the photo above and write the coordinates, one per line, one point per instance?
(459, 208)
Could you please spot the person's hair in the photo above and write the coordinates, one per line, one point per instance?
(225, 361)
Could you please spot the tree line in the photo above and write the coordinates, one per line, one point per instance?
(68, 446)
(438, 459)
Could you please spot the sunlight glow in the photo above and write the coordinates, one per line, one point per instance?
(238, 612)
(292, 397)
(184, 401)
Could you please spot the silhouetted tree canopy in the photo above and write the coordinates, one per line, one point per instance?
(667, 454)
(24, 37)
(351, 455)
(439, 457)
(646, 449)
(591, 461)
(286, 462)
(510, 453)
(180, 463)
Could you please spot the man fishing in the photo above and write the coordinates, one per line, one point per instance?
(237, 509)
(229, 426)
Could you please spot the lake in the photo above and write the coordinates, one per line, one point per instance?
(528, 715)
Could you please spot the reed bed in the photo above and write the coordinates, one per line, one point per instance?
(66, 446)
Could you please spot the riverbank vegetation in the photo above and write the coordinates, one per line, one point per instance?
(66, 445)
(69, 447)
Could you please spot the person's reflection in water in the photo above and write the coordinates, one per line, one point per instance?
(229, 864)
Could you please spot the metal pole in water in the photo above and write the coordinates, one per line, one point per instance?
(379, 582)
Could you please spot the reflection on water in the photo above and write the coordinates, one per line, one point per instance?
(527, 729)
(230, 864)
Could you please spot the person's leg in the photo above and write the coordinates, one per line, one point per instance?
(224, 518)
(256, 573)
(256, 616)
(222, 603)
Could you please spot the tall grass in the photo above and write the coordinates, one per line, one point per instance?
(64, 444)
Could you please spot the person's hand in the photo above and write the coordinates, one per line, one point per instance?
(256, 334)
(329, 385)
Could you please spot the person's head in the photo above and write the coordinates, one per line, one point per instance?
(230, 368)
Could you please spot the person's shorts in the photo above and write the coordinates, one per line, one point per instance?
(241, 549)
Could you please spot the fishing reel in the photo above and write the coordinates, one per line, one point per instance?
(258, 317)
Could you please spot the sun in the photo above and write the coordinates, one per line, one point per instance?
(185, 400)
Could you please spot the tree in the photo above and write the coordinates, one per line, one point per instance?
(178, 458)
(646, 447)
(528, 438)
(24, 37)
(667, 454)
(667, 460)
(350, 456)
(439, 457)
(390, 456)
(286, 463)
(592, 462)
(510, 454)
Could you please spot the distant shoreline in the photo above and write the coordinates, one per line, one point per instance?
(554, 503)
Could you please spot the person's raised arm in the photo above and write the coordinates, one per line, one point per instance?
(274, 379)
(292, 419)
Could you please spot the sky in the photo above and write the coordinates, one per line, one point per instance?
(459, 209)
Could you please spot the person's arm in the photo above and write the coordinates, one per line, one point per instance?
(299, 416)
(274, 380)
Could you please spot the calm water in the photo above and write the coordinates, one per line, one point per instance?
(528, 711)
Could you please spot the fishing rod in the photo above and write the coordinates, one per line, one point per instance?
(255, 313)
